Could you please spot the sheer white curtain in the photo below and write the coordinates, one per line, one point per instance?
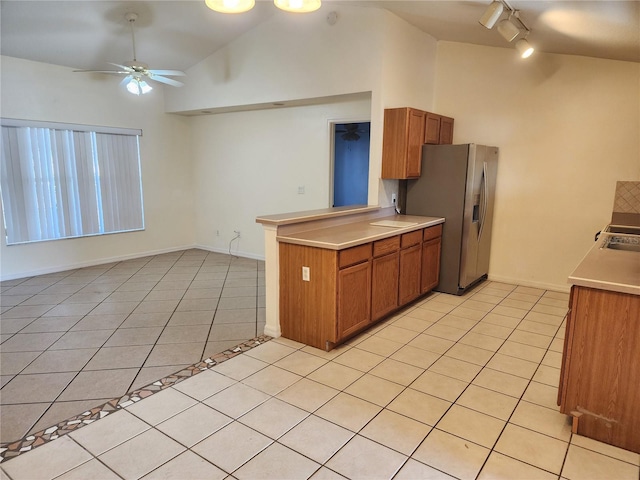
(59, 183)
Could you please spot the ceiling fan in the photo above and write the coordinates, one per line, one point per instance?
(136, 73)
(350, 132)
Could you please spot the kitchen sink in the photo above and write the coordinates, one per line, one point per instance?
(621, 237)
(624, 229)
(629, 247)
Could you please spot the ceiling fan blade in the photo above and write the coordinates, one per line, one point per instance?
(176, 73)
(122, 67)
(168, 81)
(117, 72)
(126, 79)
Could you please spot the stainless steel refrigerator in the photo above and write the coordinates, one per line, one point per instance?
(458, 183)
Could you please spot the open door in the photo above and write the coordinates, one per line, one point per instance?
(351, 163)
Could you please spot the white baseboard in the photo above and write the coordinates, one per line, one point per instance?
(528, 283)
(120, 258)
(250, 255)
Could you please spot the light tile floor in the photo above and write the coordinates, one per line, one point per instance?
(452, 387)
(76, 339)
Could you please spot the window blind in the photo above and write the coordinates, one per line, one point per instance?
(64, 183)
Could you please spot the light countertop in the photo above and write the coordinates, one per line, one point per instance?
(312, 215)
(339, 237)
(607, 269)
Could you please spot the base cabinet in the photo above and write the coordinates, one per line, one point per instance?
(349, 290)
(354, 298)
(599, 383)
(431, 249)
(384, 285)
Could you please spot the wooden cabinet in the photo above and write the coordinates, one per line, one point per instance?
(432, 129)
(431, 247)
(402, 140)
(348, 290)
(354, 298)
(599, 383)
(384, 281)
(410, 267)
(405, 131)
(438, 129)
(446, 131)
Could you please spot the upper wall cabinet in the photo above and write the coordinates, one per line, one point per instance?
(438, 129)
(402, 141)
(405, 131)
(446, 131)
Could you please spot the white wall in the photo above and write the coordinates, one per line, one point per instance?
(38, 91)
(293, 58)
(251, 163)
(568, 127)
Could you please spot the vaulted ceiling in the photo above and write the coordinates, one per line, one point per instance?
(178, 34)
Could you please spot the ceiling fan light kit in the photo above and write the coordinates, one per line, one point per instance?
(137, 86)
(506, 27)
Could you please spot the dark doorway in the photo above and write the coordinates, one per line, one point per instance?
(351, 163)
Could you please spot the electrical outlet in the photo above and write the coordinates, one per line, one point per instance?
(394, 198)
(237, 232)
(301, 190)
(306, 274)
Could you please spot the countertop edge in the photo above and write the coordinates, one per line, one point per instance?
(388, 232)
(310, 215)
(595, 266)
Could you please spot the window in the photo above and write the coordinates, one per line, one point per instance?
(65, 181)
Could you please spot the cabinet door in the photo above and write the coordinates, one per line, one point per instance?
(410, 274)
(432, 129)
(415, 140)
(446, 131)
(430, 264)
(402, 140)
(354, 298)
(384, 285)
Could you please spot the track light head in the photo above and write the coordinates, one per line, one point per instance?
(508, 30)
(491, 14)
(524, 48)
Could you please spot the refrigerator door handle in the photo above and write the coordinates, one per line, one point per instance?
(484, 200)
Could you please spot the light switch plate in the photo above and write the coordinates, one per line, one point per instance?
(305, 274)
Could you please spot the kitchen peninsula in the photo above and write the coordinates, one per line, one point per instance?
(600, 376)
(332, 273)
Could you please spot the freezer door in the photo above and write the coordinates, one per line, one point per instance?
(471, 218)
(440, 192)
(478, 214)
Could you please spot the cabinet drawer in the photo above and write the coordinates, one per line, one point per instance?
(432, 232)
(354, 255)
(412, 238)
(388, 245)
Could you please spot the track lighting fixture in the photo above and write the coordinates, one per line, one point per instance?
(524, 48)
(509, 28)
(491, 14)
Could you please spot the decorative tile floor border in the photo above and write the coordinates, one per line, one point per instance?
(13, 449)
